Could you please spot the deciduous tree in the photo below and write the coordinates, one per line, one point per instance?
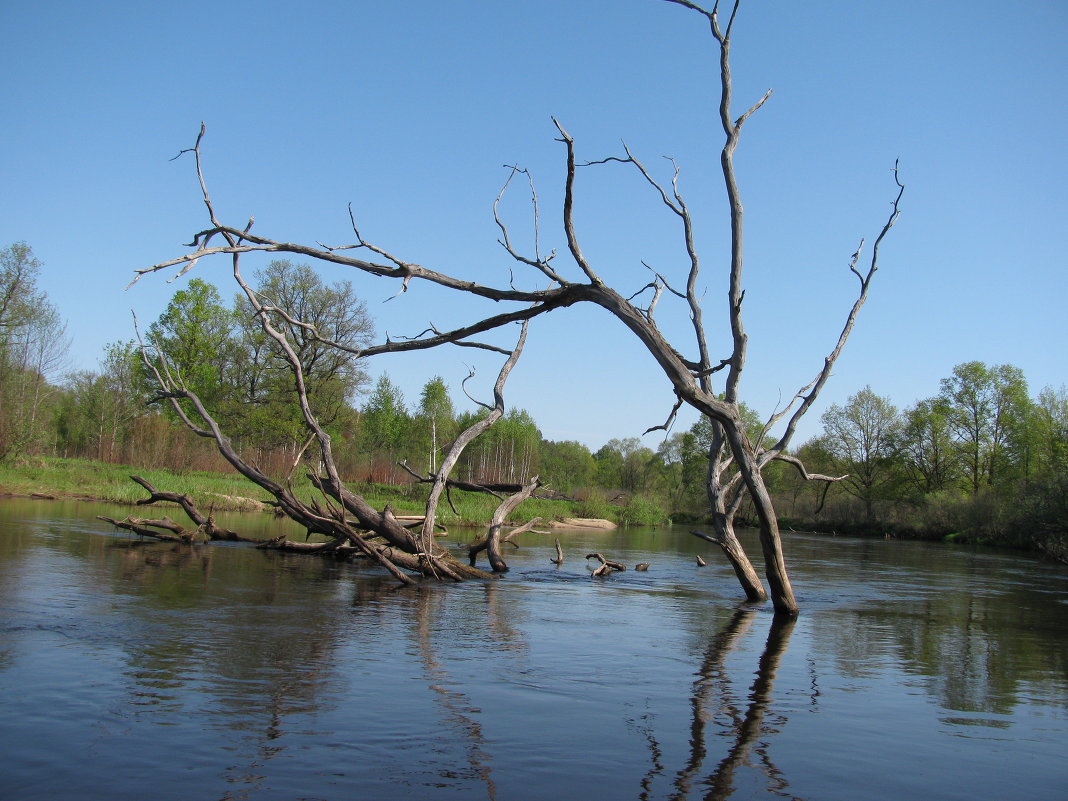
(863, 437)
(33, 347)
(988, 408)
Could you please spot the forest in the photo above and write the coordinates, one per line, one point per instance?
(983, 458)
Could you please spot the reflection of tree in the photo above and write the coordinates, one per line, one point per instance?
(459, 712)
(260, 656)
(715, 699)
(979, 652)
(467, 620)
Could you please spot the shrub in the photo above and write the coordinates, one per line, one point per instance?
(641, 511)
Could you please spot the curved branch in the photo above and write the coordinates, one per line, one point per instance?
(569, 203)
(808, 394)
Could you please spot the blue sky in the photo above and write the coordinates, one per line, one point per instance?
(409, 110)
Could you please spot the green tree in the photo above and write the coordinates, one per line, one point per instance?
(988, 408)
(863, 437)
(326, 325)
(624, 464)
(435, 419)
(928, 452)
(33, 347)
(508, 452)
(196, 336)
(99, 407)
(384, 425)
(1050, 427)
(566, 466)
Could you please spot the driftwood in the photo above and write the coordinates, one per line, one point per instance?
(492, 542)
(642, 566)
(559, 560)
(171, 531)
(338, 547)
(205, 523)
(607, 566)
(701, 562)
(168, 530)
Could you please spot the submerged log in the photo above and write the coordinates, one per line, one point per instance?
(171, 531)
(205, 523)
(607, 566)
(559, 560)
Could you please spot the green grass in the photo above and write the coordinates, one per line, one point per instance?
(83, 478)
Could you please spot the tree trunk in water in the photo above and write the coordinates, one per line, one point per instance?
(782, 593)
(492, 543)
(732, 549)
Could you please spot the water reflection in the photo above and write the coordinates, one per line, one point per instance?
(272, 676)
(459, 713)
(718, 711)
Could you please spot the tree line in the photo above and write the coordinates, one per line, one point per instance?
(980, 456)
(218, 350)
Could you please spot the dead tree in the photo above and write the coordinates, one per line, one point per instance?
(349, 521)
(606, 566)
(690, 376)
(166, 529)
(493, 540)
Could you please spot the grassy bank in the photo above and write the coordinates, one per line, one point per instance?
(90, 480)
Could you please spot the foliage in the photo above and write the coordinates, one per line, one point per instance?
(566, 466)
(508, 452)
(33, 346)
(384, 425)
(195, 333)
(595, 505)
(979, 459)
(435, 420)
(96, 413)
(862, 439)
(987, 410)
(642, 511)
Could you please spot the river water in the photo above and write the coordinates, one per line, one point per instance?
(133, 670)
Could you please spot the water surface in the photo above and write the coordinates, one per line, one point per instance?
(132, 670)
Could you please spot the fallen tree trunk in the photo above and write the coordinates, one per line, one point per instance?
(171, 531)
(205, 523)
(492, 543)
(607, 566)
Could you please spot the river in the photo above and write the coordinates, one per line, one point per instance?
(136, 670)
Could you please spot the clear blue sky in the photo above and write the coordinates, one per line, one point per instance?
(409, 110)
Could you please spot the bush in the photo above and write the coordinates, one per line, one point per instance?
(641, 511)
(595, 504)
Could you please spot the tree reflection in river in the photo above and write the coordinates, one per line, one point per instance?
(149, 670)
(715, 700)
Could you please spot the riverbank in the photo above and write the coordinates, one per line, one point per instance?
(84, 479)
